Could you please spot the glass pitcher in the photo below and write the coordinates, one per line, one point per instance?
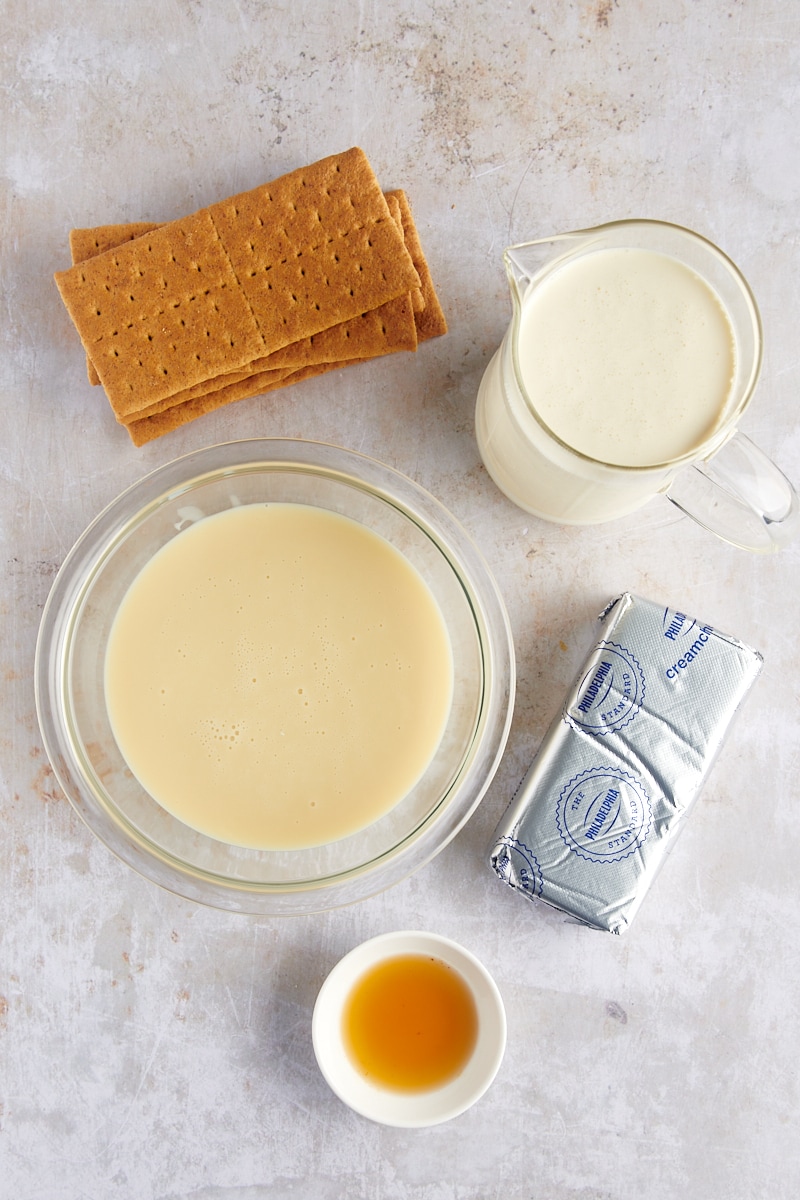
(723, 480)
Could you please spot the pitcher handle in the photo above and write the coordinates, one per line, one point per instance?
(741, 496)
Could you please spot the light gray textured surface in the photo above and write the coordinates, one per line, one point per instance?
(151, 1048)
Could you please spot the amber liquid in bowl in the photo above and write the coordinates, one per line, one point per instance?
(410, 1023)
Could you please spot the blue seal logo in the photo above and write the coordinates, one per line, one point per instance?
(610, 693)
(517, 866)
(603, 814)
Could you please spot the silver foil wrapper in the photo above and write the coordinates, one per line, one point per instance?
(623, 763)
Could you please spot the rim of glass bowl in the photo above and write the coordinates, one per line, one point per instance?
(469, 782)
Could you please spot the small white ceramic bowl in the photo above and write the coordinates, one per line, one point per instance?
(408, 1109)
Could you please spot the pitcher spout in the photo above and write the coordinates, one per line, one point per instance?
(516, 260)
(527, 261)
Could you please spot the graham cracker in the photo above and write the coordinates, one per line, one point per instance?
(397, 324)
(161, 313)
(385, 330)
(430, 318)
(210, 294)
(315, 248)
(393, 201)
(86, 243)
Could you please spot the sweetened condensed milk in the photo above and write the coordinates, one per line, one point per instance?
(278, 676)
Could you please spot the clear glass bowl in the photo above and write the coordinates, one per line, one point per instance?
(70, 692)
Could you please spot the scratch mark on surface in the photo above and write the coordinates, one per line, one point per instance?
(142, 1080)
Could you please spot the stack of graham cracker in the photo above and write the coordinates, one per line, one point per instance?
(314, 271)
